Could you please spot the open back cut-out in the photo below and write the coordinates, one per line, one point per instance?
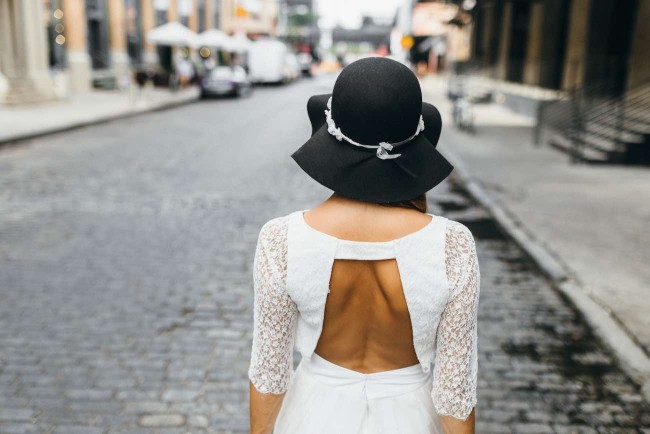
(428, 278)
(366, 325)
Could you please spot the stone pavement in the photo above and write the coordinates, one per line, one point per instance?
(541, 370)
(27, 121)
(126, 282)
(592, 219)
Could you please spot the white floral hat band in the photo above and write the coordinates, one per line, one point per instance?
(382, 148)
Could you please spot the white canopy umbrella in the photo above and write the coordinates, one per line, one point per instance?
(172, 33)
(215, 39)
(240, 43)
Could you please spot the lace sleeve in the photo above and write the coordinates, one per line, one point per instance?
(456, 361)
(274, 313)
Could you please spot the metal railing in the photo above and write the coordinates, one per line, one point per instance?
(594, 119)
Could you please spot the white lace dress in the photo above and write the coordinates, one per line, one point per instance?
(440, 278)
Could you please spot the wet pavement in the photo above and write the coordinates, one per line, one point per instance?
(125, 279)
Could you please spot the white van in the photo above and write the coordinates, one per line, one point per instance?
(270, 61)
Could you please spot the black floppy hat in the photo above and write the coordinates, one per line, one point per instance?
(373, 139)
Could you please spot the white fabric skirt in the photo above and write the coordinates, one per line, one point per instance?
(326, 398)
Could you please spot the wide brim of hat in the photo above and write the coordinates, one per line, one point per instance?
(358, 173)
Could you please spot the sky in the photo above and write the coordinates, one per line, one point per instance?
(348, 13)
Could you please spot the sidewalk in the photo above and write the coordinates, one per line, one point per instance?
(26, 121)
(587, 226)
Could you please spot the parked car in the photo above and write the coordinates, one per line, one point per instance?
(226, 80)
(305, 60)
(272, 61)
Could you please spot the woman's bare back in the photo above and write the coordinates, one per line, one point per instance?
(367, 327)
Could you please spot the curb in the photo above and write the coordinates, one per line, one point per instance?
(8, 141)
(631, 357)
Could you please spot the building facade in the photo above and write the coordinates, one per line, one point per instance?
(253, 17)
(563, 44)
(580, 67)
(49, 48)
(298, 25)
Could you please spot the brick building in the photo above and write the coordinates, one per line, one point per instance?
(49, 48)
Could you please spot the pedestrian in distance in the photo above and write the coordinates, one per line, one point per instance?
(185, 71)
(379, 296)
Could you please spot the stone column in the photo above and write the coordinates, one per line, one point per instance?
(227, 16)
(639, 66)
(79, 67)
(209, 14)
(553, 43)
(23, 52)
(534, 44)
(193, 19)
(148, 22)
(574, 66)
(172, 11)
(486, 35)
(504, 42)
(117, 37)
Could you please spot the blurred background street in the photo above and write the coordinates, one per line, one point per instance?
(143, 144)
(127, 303)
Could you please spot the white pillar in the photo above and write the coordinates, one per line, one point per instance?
(117, 36)
(79, 67)
(148, 20)
(23, 52)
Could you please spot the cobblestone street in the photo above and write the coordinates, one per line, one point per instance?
(126, 282)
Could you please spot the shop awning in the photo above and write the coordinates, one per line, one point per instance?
(172, 33)
(214, 38)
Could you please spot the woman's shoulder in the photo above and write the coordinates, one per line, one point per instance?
(460, 249)
(458, 233)
(276, 227)
(458, 236)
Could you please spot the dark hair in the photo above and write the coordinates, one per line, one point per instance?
(418, 203)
